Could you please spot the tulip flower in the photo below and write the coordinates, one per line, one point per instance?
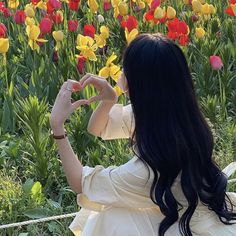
(197, 6)
(19, 17)
(72, 25)
(3, 30)
(101, 39)
(13, 4)
(100, 18)
(216, 62)
(33, 33)
(159, 13)
(89, 30)
(118, 90)
(29, 21)
(45, 25)
(200, 33)
(107, 5)
(231, 9)
(154, 4)
(58, 36)
(4, 46)
(130, 35)
(57, 17)
(123, 8)
(115, 5)
(81, 64)
(131, 23)
(171, 12)
(93, 5)
(74, 5)
(110, 69)
(6, 12)
(87, 46)
(29, 11)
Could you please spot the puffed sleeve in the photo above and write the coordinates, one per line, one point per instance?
(120, 123)
(127, 185)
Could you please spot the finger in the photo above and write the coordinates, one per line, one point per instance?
(97, 83)
(84, 78)
(78, 103)
(76, 85)
(94, 98)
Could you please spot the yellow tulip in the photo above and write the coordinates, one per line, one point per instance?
(13, 4)
(58, 35)
(42, 5)
(202, 1)
(104, 31)
(205, 9)
(200, 33)
(29, 21)
(212, 9)
(197, 6)
(101, 39)
(110, 69)
(159, 13)
(33, 32)
(171, 12)
(87, 46)
(93, 5)
(118, 90)
(130, 35)
(4, 45)
(29, 11)
(123, 8)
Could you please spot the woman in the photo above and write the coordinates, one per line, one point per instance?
(171, 186)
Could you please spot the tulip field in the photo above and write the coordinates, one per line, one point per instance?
(45, 42)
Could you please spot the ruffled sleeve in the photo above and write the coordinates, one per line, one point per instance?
(127, 185)
(120, 123)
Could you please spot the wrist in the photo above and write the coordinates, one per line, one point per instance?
(58, 129)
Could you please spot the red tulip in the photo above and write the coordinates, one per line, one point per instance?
(216, 62)
(232, 1)
(107, 5)
(3, 30)
(81, 64)
(130, 23)
(2, 5)
(74, 5)
(56, 4)
(45, 25)
(72, 25)
(229, 11)
(183, 40)
(57, 17)
(35, 2)
(89, 30)
(20, 17)
(6, 12)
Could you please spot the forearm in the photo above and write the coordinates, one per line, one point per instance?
(71, 165)
(99, 118)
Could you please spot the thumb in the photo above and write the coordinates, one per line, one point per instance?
(78, 103)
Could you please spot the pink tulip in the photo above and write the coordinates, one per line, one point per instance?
(45, 25)
(72, 25)
(216, 62)
(20, 17)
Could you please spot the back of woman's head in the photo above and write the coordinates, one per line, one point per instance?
(171, 133)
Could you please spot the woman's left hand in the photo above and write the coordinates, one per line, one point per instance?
(63, 107)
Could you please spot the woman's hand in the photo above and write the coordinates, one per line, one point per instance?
(63, 107)
(106, 92)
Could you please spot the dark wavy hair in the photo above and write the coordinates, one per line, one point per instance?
(171, 132)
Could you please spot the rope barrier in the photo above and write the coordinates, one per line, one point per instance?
(38, 220)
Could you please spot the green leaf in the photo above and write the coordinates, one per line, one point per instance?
(36, 213)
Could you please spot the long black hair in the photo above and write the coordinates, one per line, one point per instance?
(171, 132)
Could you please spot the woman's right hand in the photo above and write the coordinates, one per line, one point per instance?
(106, 92)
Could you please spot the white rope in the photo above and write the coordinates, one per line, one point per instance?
(37, 221)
